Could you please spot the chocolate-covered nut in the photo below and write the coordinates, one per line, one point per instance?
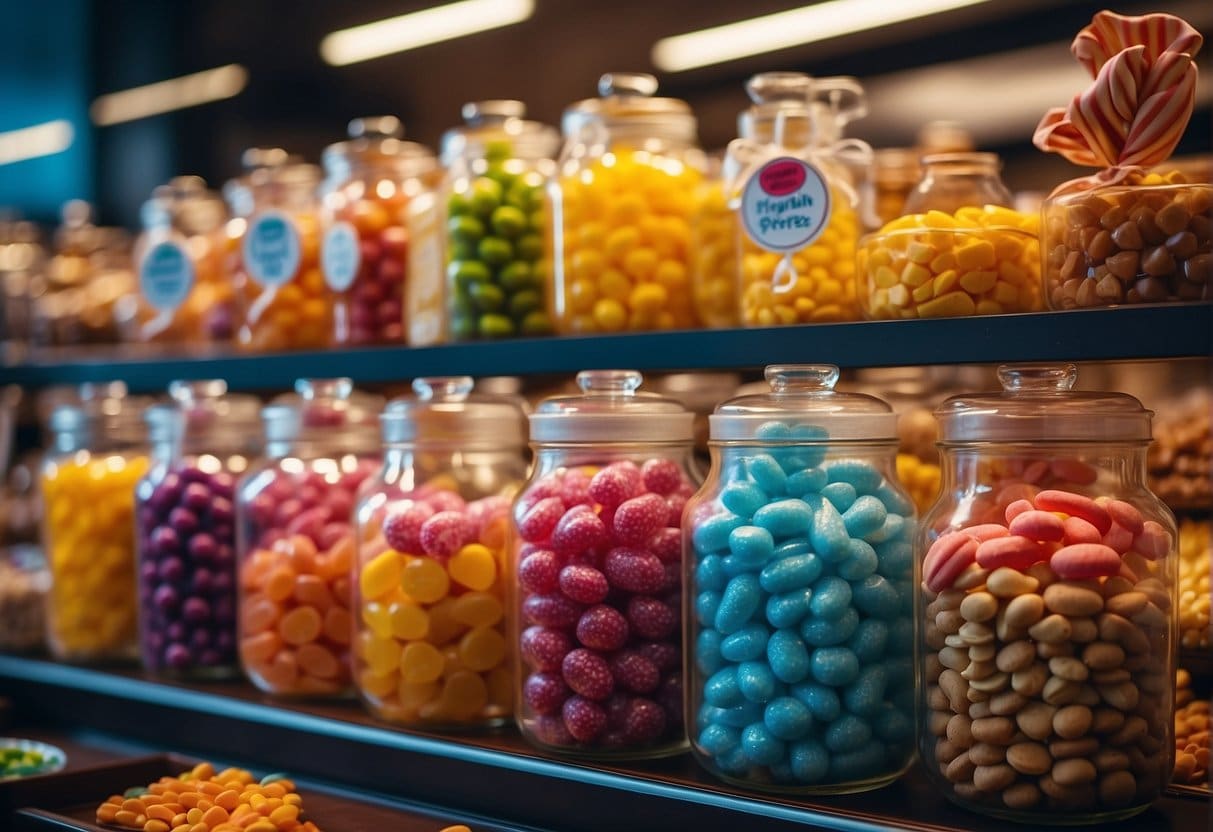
(997, 730)
(1072, 721)
(1172, 218)
(1183, 245)
(1068, 749)
(961, 769)
(993, 778)
(1127, 237)
(1021, 796)
(1073, 772)
(1117, 789)
(1029, 758)
(1157, 261)
(1124, 264)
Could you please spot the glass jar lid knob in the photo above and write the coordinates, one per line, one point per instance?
(610, 382)
(312, 389)
(189, 392)
(376, 127)
(494, 110)
(804, 378)
(1037, 378)
(443, 388)
(639, 84)
(768, 87)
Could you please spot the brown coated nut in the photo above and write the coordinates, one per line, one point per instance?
(1043, 574)
(1024, 610)
(954, 688)
(945, 752)
(972, 578)
(1151, 617)
(1036, 720)
(1029, 758)
(1183, 245)
(979, 606)
(1116, 585)
(1172, 219)
(1100, 246)
(1199, 269)
(1058, 691)
(1153, 683)
(1051, 651)
(1007, 703)
(1113, 217)
(1073, 772)
(950, 599)
(933, 637)
(991, 685)
(934, 668)
(993, 778)
(988, 754)
(1110, 759)
(1067, 797)
(1021, 796)
(1067, 598)
(1117, 789)
(1111, 677)
(1124, 264)
(1107, 720)
(978, 670)
(1069, 749)
(972, 632)
(1134, 729)
(1030, 681)
(980, 710)
(1127, 237)
(1109, 288)
(1087, 696)
(959, 731)
(1103, 655)
(1123, 696)
(957, 642)
(1127, 604)
(1072, 721)
(937, 723)
(997, 730)
(1005, 582)
(1015, 656)
(936, 699)
(1051, 629)
(982, 652)
(1156, 261)
(1083, 630)
(953, 658)
(949, 621)
(1069, 668)
(960, 770)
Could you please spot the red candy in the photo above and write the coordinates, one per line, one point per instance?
(1075, 505)
(1016, 508)
(1013, 551)
(948, 556)
(1154, 542)
(1038, 525)
(634, 570)
(639, 518)
(579, 529)
(1085, 560)
(584, 584)
(1118, 538)
(588, 674)
(543, 648)
(602, 628)
(1078, 530)
(1125, 515)
(986, 531)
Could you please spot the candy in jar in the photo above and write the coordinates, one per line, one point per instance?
(1046, 601)
(598, 571)
(714, 239)
(431, 646)
(799, 593)
(296, 545)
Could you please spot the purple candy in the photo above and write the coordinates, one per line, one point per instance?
(225, 610)
(225, 556)
(221, 583)
(165, 541)
(200, 638)
(184, 521)
(202, 547)
(164, 497)
(148, 571)
(225, 640)
(175, 631)
(196, 610)
(178, 656)
(172, 569)
(195, 476)
(210, 658)
(222, 511)
(166, 598)
(223, 485)
(204, 581)
(196, 497)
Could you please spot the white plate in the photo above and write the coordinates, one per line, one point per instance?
(53, 758)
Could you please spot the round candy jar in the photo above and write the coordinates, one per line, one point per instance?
(621, 210)
(1046, 602)
(799, 600)
(431, 647)
(296, 543)
(185, 520)
(598, 574)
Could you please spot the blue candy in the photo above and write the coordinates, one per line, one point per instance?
(814, 454)
(787, 718)
(741, 715)
(718, 739)
(876, 597)
(807, 481)
(834, 666)
(751, 544)
(894, 500)
(860, 563)
(774, 431)
(865, 696)
(831, 598)
(707, 651)
(863, 476)
(707, 605)
(847, 733)
(786, 609)
(894, 527)
(734, 762)
(792, 572)
(768, 473)
(795, 546)
(810, 761)
(743, 498)
(761, 746)
(722, 689)
(901, 635)
(894, 725)
(742, 598)
(896, 558)
(792, 460)
(827, 533)
(748, 643)
(787, 656)
(784, 518)
(712, 535)
(865, 515)
(841, 495)
(868, 761)
(734, 565)
(869, 640)
(709, 574)
(821, 632)
(756, 681)
(822, 701)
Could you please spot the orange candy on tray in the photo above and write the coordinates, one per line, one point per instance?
(203, 800)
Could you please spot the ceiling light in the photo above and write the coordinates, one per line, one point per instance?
(818, 22)
(38, 140)
(173, 94)
(416, 29)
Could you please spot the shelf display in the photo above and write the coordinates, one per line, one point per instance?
(1195, 554)
(1192, 726)
(22, 259)
(1181, 459)
(24, 584)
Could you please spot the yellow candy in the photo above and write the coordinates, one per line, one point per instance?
(420, 662)
(464, 695)
(473, 566)
(378, 685)
(382, 655)
(425, 581)
(380, 576)
(482, 649)
(477, 609)
(408, 621)
(377, 617)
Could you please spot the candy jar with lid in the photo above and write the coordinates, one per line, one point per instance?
(621, 210)
(1046, 578)
(1139, 230)
(497, 265)
(185, 521)
(371, 182)
(714, 251)
(959, 249)
(799, 597)
(296, 543)
(25, 582)
(89, 474)
(22, 260)
(431, 646)
(598, 571)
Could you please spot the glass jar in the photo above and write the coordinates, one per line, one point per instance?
(895, 173)
(25, 582)
(296, 543)
(621, 210)
(598, 571)
(430, 648)
(791, 182)
(798, 592)
(186, 529)
(497, 266)
(286, 303)
(88, 492)
(185, 296)
(1047, 585)
(371, 182)
(22, 259)
(714, 250)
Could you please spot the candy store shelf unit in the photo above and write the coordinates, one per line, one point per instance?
(1154, 332)
(496, 776)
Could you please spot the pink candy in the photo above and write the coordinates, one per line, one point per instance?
(1154, 542)
(1013, 551)
(1085, 560)
(948, 556)
(1076, 505)
(1038, 525)
(1078, 530)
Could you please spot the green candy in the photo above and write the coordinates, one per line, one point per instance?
(498, 150)
(537, 323)
(508, 221)
(463, 327)
(273, 778)
(458, 205)
(486, 296)
(524, 303)
(537, 220)
(466, 273)
(465, 229)
(515, 276)
(461, 251)
(135, 791)
(530, 246)
(485, 196)
(495, 326)
(495, 251)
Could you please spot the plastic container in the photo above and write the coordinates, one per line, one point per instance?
(621, 210)
(370, 185)
(598, 571)
(186, 529)
(431, 647)
(1047, 606)
(498, 268)
(296, 543)
(799, 601)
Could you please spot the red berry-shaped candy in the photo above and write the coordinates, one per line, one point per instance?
(445, 533)
(402, 529)
(579, 529)
(666, 544)
(662, 476)
(665, 655)
(633, 570)
(587, 557)
(669, 697)
(543, 648)
(634, 672)
(584, 584)
(551, 610)
(550, 730)
(485, 510)
(538, 522)
(615, 483)
(674, 503)
(651, 618)
(588, 674)
(544, 693)
(444, 500)
(583, 719)
(645, 721)
(538, 572)
(602, 628)
(540, 490)
(575, 488)
(638, 518)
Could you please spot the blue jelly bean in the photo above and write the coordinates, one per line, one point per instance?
(719, 739)
(712, 535)
(787, 718)
(894, 527)
(860, 563)
(894, 725)
(756, 681)
(792, 460)
(847, 733)
(734, 566)
(768, 473)
(901, 635)
(748, 643)
(743, 498)
(815, 454)
(751, 544)
(787, 656)
(865, 696)
(789, 548)
(708, 657)
(809, 760)
(865, 515)
(827, 532)
(707, 604)
(841, 495)
(831, 598)
(861, 764)
(822, 701)
(708, 715)
(709, 574)
(806, 481)
(894, 500)
(788, 573)
(834, 666)
(875, 597)
(905, 597)
(821, 632)
(903, 696)
(896, 558)
(784, 518)
(900, 670)
(741, 715)
(869, 640)
(721, 689)
(741, 599)
(787, 608)
(761, 746)
(774, 431)
(735, 761)
(781, 772)
(865, 477)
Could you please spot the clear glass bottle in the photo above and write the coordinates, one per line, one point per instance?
(497, 265)
(185, 521)
(621, 210)
(597, 569)
(296, 542)
(1046, 600)
(431, 647)
(799, 595)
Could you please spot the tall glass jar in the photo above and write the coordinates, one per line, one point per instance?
(22, 261)
(598, 572)
(431, 647)
(497, 267)
(88, 491)
(799, 601)
(621, 210)
(296, 543)
(186, 529)
(1046, 604)
(371, 181)
(287, 305)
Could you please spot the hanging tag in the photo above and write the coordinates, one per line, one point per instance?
(271, 249)
(166, 276)
(785, 205)
(340, 256)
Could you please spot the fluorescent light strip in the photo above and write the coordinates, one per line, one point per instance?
(38, 140)
(416, 29)
(782, 30)
(165, 96)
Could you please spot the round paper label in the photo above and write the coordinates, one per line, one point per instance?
(340, 256)
(166, 275)
(786, 205)
(271, 249)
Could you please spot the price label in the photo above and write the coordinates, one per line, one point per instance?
(340, 256)
(271, 249)
(166, 275)
(786, 205)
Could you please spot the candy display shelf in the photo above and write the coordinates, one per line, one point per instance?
(495, 777)
(1156, 332)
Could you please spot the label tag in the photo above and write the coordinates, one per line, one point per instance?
(785, 205)
(166, 276)
(340, 256)
(271, 249)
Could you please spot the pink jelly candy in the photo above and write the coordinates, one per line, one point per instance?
(1085, 560)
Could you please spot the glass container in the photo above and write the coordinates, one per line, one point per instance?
(22, 260)
(25, 582)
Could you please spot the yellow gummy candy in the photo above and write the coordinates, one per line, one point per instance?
(380, 575)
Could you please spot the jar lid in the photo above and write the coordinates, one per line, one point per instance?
(444, 409)
(1038, 403)
(626, 101)
(324, 410)
(378, 141)
(807, 109)
(101, 412)
(499, 128)
(803, 397)
(610, 408)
